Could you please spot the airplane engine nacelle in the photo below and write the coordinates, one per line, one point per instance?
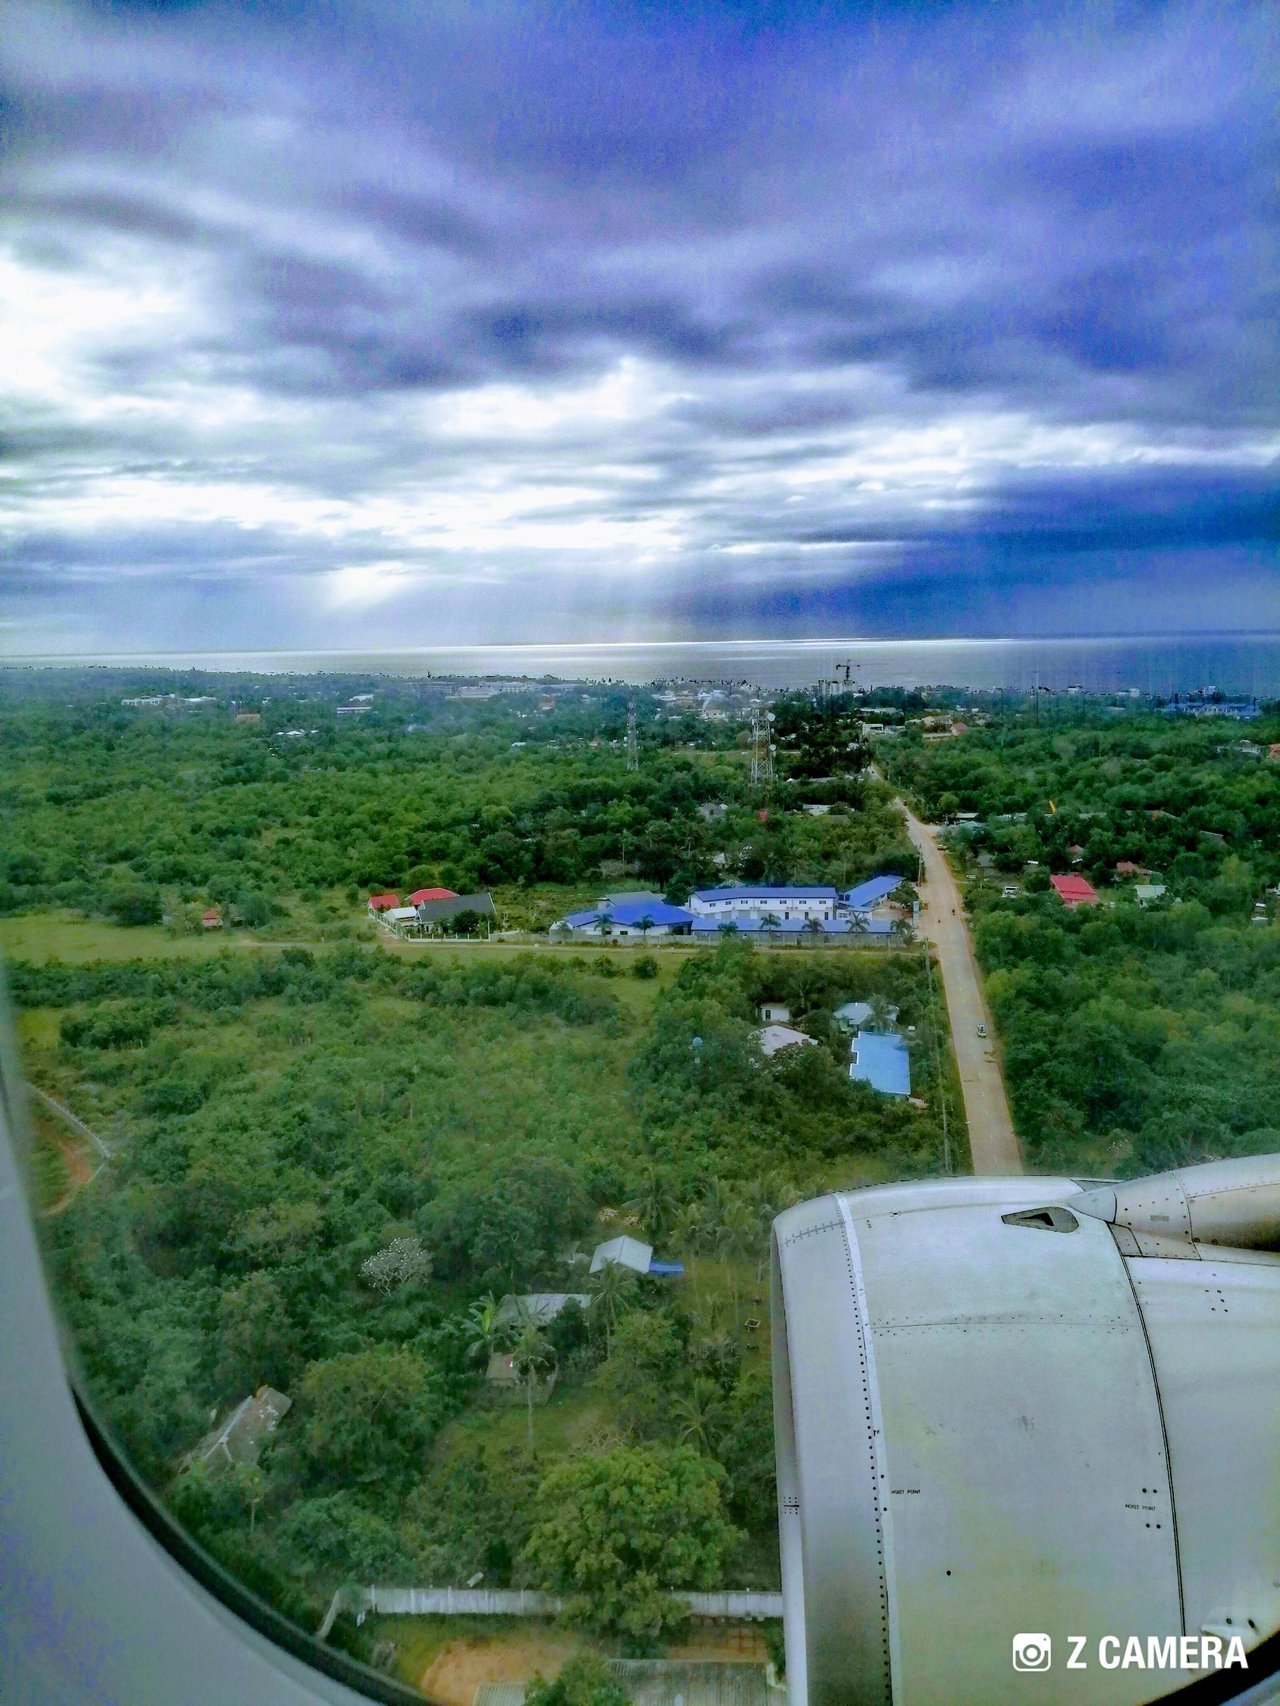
(1025, 1405)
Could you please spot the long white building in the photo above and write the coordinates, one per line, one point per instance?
(816, 900)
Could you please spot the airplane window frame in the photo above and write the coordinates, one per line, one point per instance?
(136, 1498)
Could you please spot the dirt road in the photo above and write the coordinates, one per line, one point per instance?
(79, 1173)
(991, 1136)
(73, 1120)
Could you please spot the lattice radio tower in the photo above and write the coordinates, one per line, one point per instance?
(761, 748)
(633, 744)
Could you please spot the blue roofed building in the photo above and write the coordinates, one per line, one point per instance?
(882, 1062)
(645, 918)
(784, 902)
(870, 893)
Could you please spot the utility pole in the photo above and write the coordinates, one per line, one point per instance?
(633, 745)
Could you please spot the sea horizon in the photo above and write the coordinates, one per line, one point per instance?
(1231, 661)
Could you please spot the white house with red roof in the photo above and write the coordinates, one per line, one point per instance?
(420, 895)
(383, 902)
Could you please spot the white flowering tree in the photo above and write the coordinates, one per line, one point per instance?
(403, 1262)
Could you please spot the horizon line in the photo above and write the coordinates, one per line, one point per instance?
(1182, 636)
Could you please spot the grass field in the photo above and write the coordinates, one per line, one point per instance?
(40, 936)
(568, 1420)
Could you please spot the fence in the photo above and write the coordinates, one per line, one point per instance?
(734, 1605)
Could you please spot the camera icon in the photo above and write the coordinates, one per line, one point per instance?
(1032, 1652)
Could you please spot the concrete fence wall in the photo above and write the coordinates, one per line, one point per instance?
(522, 1602)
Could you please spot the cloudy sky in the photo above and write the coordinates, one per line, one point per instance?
(384, 324)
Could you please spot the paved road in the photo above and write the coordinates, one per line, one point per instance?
(991, 1136)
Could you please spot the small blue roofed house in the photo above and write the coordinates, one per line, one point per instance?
(624, 918)
(870, 893)
(882, 1062)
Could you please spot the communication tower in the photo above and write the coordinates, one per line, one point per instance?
(761, 747)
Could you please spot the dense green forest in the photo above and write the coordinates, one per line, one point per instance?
(331, 1162)
(284, 1117)
(1135, 1036)
(1195, 800)
(143, 814)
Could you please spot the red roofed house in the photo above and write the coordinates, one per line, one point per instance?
(1073, 891)
(211, 920)
(420, 895)
(1127, 868)
(382, 902)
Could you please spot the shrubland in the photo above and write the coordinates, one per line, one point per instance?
(329, 1166)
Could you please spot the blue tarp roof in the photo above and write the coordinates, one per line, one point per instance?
(868, 893)
(631, 913)
(666, 1269)
(882, 1062)
(814, 891)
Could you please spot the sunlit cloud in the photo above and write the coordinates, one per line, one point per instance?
(656, 322)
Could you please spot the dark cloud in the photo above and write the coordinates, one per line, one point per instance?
(356, 270)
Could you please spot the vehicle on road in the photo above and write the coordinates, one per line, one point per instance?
(982, 1030)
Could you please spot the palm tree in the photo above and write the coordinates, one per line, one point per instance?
(728, 928)
(696, 1414)
(881, 1011)
(612, 1293)
(688, 1229)
(487, 1335)
(602, 924)
(644, 925)
(532, 1356)
(858, 924)
(813, 927)
(902, 932)
(770, 923)
(765, 1199)
(730, 1230)
(654, 1202)
(737, 1241)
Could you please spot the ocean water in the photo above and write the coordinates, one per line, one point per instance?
(1246, 664)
